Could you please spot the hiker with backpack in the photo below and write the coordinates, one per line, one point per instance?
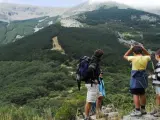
(156, 84)
(90, 76)
(139, 77)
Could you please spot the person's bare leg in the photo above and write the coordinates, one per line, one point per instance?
(143, 104)
(99, 102)
(87, 109)
(158, 100)
(143, 100)
(136, 101)
(99, 114)
(136, 112)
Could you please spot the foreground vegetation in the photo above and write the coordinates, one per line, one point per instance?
(40, 90)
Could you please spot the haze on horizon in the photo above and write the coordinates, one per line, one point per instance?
(71, 3)
(134, 3)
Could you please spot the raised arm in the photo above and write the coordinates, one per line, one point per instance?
(127, 53)
(145, 51)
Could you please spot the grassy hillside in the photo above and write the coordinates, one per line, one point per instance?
(35, 89)
(44, 90)
(40, 43)
(128, 16)
(78, 42)
(35, 47)
(141, 26)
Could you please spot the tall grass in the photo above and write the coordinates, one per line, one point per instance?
(24, 113)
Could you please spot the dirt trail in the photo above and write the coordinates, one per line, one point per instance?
(56, 45)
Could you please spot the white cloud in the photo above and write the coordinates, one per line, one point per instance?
(8, 1)
(134, 3)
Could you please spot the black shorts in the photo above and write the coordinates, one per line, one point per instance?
(137, 91)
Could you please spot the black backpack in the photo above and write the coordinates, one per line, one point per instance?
(82, 69)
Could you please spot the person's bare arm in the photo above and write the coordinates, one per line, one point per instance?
(145, 51)
(127, 53)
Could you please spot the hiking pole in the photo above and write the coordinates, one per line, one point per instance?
(78, 81)
(79, 84)
(152, 65)
(79, 112)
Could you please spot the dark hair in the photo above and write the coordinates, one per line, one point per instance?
(158, 52)
(98, 53)
(137, 49)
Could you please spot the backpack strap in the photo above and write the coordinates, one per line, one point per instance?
(91, 79)
(95, 72)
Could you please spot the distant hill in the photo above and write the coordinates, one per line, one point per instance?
(33, 47)
(133, 24)
(11, 12)
(15, 30)
(104, 15)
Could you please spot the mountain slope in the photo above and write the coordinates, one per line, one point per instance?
(128, 15)
(15, 30)
(42, 41)
(134, 24)
(34, 47)
(154, 10)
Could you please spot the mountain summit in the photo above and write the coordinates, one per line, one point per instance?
(90, 6)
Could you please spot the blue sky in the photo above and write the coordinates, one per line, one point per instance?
(70, 3)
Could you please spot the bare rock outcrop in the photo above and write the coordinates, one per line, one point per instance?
(109, 113)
